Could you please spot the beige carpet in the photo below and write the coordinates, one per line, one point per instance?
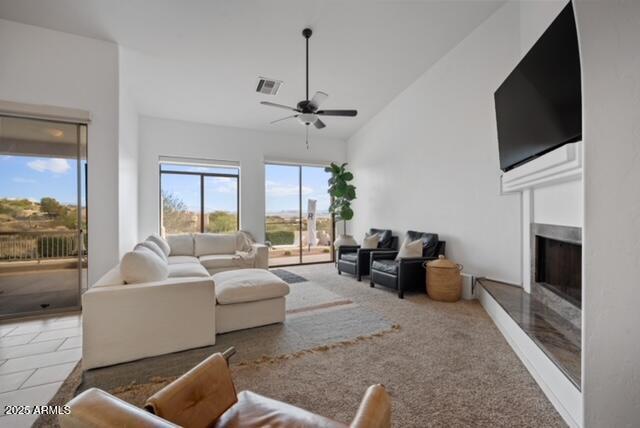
(446, 366)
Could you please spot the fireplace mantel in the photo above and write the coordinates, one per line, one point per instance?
(558, 166)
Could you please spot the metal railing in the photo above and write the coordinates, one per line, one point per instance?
(37, 246)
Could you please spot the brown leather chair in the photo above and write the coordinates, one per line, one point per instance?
(205, 396)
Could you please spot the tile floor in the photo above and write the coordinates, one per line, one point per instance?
(36, 356)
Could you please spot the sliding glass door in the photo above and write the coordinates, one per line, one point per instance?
(299, 228)
(43, 215)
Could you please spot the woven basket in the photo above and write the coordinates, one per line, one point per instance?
(444, 282)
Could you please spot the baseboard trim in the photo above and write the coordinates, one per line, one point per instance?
(564, 396)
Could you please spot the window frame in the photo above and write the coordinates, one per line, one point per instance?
(202, 176)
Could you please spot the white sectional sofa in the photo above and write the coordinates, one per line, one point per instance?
(162, 297)
(215, 252)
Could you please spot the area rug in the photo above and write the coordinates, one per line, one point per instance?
(287, 276)
(312, 296)
(447, 365)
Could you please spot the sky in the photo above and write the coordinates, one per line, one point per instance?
(282, 184)
(33, 178)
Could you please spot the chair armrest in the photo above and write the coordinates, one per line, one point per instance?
(374, 410)
(383, 255)
(95, 408)
(261, 252)
(198, 397)
(406, 260)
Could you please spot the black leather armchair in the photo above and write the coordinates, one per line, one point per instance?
(356, 261)
(407, 273)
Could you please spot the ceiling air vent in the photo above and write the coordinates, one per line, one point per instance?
(268, 86)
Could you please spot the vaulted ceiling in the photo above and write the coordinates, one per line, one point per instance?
(199, 60)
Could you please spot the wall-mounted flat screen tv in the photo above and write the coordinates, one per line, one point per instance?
(539, 105)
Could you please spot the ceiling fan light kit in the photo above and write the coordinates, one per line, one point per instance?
(307, 110)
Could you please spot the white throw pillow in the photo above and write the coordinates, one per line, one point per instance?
(181, 245)
(142, 265)
(370, 241)
(153, 247)
(410, 249)
(160, 242)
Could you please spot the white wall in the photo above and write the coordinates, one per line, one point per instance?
(437, 145)
(164, 137)
(560, 204)
(609, 34)
(127, 160)
(41, 66)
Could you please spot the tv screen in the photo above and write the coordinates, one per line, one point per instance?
(539, 105)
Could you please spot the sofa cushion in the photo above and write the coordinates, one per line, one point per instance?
(174, 260)
(181, 245)
(160, 242)
(215, 243)
(386, 266)
(142, 265)
(218, 261)
(248, 285)
(153, 247)
(181, 270)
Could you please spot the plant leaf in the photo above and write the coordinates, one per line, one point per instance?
(347, 176)
(346, 213)
(350, 192)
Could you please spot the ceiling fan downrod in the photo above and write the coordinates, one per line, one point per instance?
(307, 34)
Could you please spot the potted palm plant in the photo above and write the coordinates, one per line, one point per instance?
(342, 193)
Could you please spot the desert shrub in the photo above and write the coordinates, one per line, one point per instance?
(280, 237)
(222, 221)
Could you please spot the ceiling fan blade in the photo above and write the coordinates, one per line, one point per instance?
(338, 112)
(267, 103)
(318, 98)
(319, 124)
(284, 118)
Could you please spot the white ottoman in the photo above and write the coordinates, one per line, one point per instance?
(248, 298)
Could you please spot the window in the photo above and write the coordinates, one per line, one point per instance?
(195, 198)
(299, 227)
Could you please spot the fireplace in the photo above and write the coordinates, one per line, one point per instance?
(557, 261)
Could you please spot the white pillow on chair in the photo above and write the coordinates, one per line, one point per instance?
(370, 241)
(410, 249)
(142, 265)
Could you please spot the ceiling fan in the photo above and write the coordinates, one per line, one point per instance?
(306, 110)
